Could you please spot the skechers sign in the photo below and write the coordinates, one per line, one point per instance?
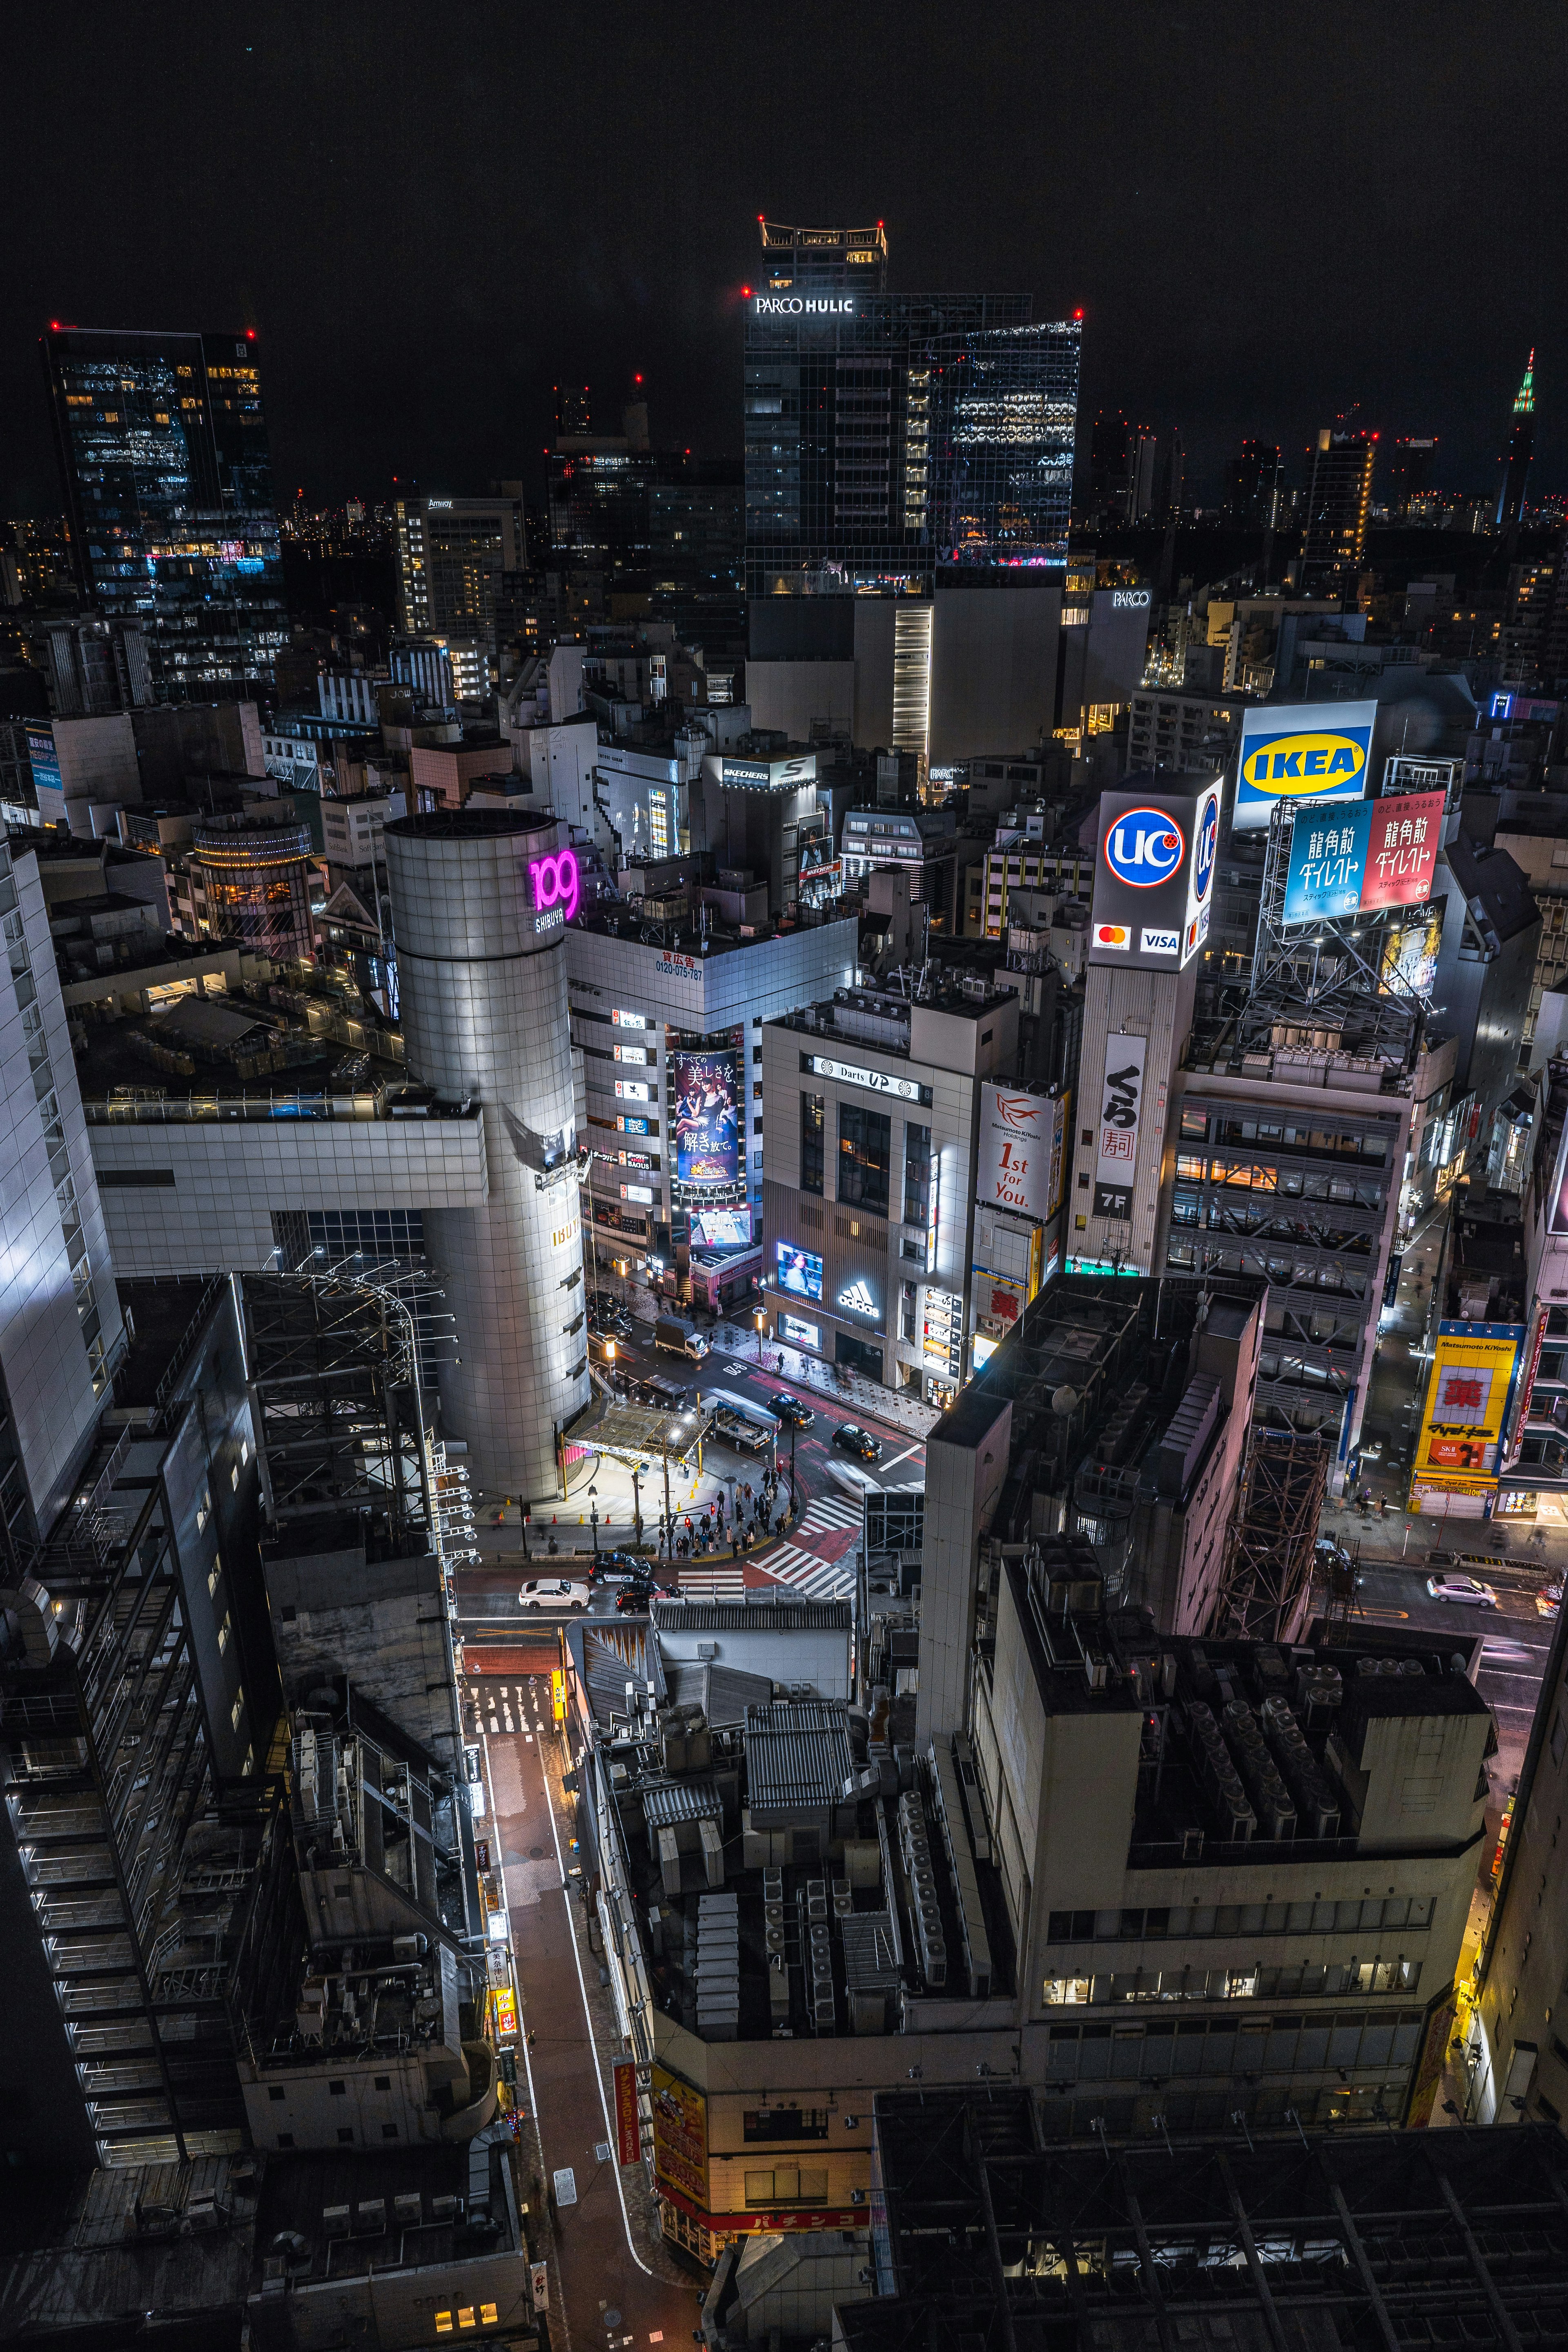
(1313, 750)
(1153, 877)
(556, 883)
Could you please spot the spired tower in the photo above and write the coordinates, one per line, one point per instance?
(480, 902)
(1521, 449)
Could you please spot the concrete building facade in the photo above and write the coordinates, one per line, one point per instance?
(479, 901)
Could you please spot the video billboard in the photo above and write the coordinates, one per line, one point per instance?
(1308, 751)
(1468, 1400)
(799, 1270)
(1155, 850)
(1121, 1106)
(721, 1228)
(1410, 955)
(706, 1116)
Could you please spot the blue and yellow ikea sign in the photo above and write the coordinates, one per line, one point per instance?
(1310, 752)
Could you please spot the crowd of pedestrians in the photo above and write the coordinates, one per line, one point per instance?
(760, 1509)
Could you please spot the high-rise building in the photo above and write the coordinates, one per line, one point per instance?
(1520, 449)
(1339, 502)
(1172, 473)
(1110, 460)
(892, 436)
(1140, 481)
(573, 418)
(1408, 467)
(162, 442)
(451, 554)
(481, 901)
(1252, 484)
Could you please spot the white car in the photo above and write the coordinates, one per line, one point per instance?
(1467, 1591)
(553, 1592)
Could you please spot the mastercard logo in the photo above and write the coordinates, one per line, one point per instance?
(1112, 935)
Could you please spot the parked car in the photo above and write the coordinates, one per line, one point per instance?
(1464, 1591)
(553, 1592)
(851, 1439)
(789, 1409)
(1549, 1600)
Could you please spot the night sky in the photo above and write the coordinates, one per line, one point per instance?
(432, 213)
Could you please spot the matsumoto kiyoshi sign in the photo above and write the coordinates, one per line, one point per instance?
(1311, 750)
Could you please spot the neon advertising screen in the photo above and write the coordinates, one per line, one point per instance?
(799, 1271)
(707, 1117)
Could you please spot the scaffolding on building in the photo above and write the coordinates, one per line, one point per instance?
(335, 1382)
(1266, 1587)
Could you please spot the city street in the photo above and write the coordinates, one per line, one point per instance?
(813, 1556)
(608, 2262)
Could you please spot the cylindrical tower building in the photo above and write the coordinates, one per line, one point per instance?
(480, 900)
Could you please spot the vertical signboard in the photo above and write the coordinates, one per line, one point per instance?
(1201, 874)
(628, 2125)
(1015, 1131)
(680, 2142)
(1402, 841)
(706, 1116)
(1121, 1107)
(1467, 1399)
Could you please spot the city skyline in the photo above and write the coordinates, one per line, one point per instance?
(1224, 289)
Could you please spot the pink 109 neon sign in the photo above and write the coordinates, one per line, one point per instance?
(555, 882)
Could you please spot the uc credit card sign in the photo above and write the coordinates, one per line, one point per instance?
(1155, 849)
(1309, 751)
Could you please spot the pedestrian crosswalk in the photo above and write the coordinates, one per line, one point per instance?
(813, 1578)
(713, 1583)
(827, 1511)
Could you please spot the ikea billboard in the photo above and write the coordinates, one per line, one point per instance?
(1309, 751)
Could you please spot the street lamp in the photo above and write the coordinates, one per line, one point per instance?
(593, 1522)
(761, 1321)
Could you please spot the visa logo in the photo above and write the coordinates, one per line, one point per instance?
(1162, 942)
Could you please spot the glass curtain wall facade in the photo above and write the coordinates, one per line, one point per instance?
(888, 437)
(162, 444)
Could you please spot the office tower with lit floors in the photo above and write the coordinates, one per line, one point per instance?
(481, 901)
(909, 479)
(161, 445)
